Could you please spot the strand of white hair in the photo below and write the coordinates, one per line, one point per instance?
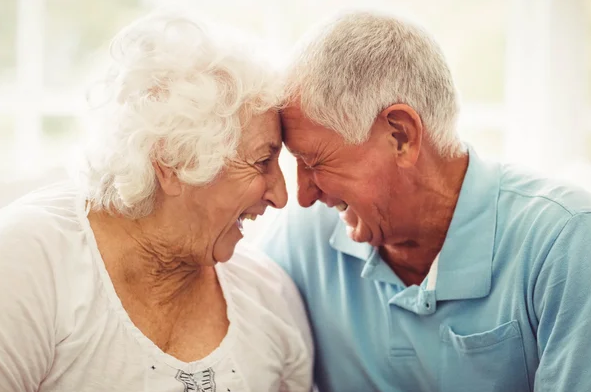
(178, 93)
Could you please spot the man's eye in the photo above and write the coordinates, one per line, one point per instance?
(308, 166)
(304, 164)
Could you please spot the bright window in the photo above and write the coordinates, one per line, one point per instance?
(523, 68)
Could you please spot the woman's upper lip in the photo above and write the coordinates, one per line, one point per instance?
(259, 212)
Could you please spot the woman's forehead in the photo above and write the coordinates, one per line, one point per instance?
(263, 133)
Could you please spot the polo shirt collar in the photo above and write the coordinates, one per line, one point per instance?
(465, 260)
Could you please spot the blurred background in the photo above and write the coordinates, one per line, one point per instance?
(523, 68)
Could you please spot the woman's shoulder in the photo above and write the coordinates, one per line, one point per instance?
(41, 207)
(40, 223)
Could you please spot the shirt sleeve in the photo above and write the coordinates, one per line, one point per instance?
(562, 303)
(27, 310)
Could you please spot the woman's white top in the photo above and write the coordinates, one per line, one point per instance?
(63, 328)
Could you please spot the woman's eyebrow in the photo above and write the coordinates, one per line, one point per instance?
(274, 148)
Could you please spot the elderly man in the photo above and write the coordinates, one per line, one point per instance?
(439, 271)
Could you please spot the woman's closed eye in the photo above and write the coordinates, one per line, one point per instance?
(264, 163)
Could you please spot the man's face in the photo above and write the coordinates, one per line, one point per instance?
(363, 178)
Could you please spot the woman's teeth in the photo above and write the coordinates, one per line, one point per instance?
(249, 216)
(242, 217)
(342, 206)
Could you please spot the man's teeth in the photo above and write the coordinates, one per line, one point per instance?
(342, 206)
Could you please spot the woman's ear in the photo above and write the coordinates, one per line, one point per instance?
(168, 179)
(406, 133)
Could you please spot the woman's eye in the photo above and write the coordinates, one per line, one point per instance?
(264, 163)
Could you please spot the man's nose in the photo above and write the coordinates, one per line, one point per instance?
(308, 191)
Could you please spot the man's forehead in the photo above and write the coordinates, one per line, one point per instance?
(294, 141)
(293, 109)
(294, 123)
(300, 134)
(293, 117)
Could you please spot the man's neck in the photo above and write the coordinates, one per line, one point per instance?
(438, 192)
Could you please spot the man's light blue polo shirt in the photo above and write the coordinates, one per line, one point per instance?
(507, 309)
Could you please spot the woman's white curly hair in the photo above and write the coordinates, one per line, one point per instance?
(178, 93)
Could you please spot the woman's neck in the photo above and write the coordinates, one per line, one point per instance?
(145, 259)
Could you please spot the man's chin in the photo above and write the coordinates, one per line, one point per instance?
(361, 233)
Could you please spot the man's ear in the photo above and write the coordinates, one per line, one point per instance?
(405, 132)
(167, 178)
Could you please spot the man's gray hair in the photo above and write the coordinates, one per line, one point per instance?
(360, 63)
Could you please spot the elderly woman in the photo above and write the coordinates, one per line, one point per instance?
(133, 279)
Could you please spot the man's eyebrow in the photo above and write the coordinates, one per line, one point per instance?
(293, 152)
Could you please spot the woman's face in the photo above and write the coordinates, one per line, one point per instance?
(250, 182)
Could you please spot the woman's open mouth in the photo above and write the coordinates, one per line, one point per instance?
(241, 219)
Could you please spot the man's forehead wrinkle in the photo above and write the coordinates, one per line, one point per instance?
(318, 150)
(289, 143)
(296, 130)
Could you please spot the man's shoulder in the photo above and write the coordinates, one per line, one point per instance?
(295, 227)
(253, 277)
(253, 264)
(535, 211)
(535, 193)
(298, 240)
(316, 218)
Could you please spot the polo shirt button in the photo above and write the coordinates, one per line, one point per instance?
(427, 305)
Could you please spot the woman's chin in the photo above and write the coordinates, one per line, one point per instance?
(224, 247)
(223, 255)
